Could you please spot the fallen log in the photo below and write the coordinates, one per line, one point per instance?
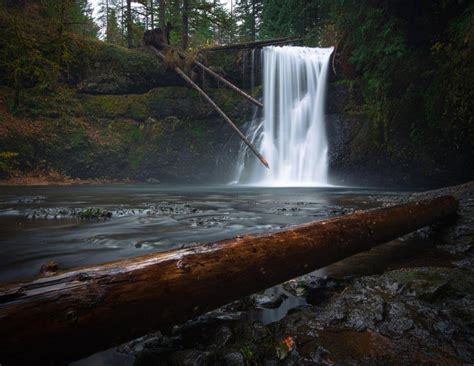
(215, 106)
(254, 44)
(76, 313)
(218, 77)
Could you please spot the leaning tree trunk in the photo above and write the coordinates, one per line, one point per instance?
(218, 77)
(76, 313)
(226, 118)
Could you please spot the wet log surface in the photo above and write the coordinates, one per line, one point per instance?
(76, 313)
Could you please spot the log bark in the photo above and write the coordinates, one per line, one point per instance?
(216, 107)
(76, 313)
(218, 77)
(255, 44)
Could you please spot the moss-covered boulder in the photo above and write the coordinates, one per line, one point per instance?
(117, 70)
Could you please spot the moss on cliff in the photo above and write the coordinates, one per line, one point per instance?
(167, 133)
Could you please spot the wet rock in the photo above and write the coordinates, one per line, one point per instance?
(29, 199)
(268, 301)
(56, 213)
(233, 359)
(367, 316)
(49, 269)
(456, 249)
(221, 337)
(188, 358)
(95, 214)
(152, 181)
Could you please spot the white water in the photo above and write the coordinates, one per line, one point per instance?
(292, 135)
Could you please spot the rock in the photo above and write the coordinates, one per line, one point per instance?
(233, 359)
(188, 358)
(49, 269)
(94, 214)
(222, 336)
(152, 181)
(271, 301)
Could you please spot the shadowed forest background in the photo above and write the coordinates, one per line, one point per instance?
(81, 98)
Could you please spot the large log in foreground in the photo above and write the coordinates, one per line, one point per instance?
(76, 313)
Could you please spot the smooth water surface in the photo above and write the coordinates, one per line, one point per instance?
(38, 224)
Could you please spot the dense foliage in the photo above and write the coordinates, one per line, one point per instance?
(42, 42)
(406, 64)
(411, 65)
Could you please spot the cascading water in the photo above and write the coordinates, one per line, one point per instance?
(292, 135)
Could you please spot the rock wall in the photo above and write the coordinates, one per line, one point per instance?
(357, 158)
(125, 115)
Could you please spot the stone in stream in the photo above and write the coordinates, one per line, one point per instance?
(49, 269)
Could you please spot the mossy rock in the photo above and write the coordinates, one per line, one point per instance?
(118, 70)
(432, 283)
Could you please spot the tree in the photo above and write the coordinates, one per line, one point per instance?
(162, 14)
(113, 32)
(185, 25)
(249, 14)
(129, 24)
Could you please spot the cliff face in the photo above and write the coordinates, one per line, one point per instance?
(123, 115)
(357, 157)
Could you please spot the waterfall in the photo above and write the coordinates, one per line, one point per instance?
(292, 134)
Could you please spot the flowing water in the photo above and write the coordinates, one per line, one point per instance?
(292, 134)
(41, 224)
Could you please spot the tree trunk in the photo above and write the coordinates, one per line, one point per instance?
(152, 14)
(216, 107)
(129, 24)
(254, 21)
(76, 313)
(219, 78)
(185, 24)
(255, 44)
(162, 14)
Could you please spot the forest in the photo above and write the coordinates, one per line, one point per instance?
(236, 182)
(404, 68)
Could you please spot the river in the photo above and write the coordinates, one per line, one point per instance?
(42, 223)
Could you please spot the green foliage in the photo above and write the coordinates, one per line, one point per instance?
(37, 45)
(412, 67)
(8, 164)
(249, 12)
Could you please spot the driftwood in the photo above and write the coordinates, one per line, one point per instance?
(76, 313)
(255, 44)
(218, 77)
(215, 106)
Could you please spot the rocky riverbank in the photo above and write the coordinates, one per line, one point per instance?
(408, 301)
